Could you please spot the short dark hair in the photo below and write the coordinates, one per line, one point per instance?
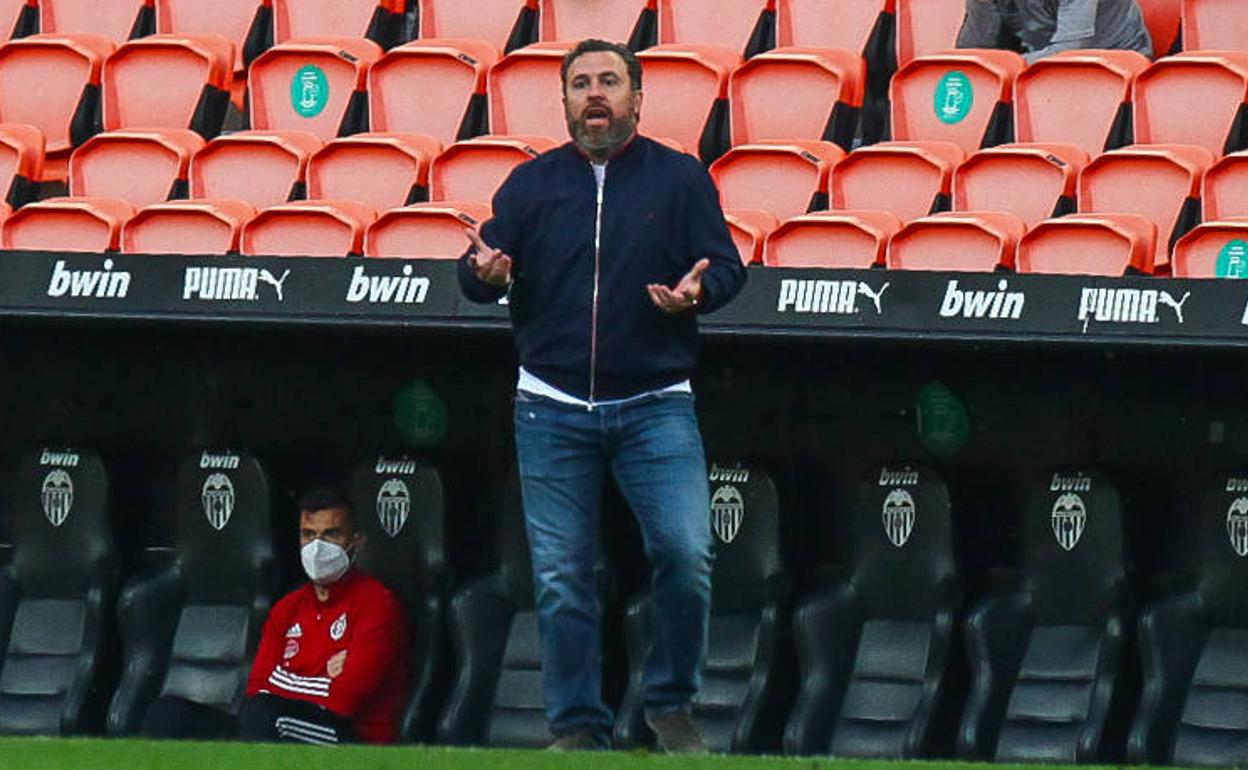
(324, 499)
(593, 45)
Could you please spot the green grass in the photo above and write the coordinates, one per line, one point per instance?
(87, 754)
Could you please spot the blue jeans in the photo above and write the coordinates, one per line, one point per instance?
(654, 450)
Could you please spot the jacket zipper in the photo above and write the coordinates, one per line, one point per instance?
(593, 323)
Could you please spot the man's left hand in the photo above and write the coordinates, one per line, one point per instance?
(685, 295)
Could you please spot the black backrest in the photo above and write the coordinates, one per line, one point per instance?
(745, 526)
(1223, 538)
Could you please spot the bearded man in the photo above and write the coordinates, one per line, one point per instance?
(608, 248)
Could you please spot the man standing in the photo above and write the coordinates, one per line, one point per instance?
(608, 248)
(332, 663)
(1046, 27)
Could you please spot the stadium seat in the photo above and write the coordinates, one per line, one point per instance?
(744, 697)
(1214, 25)
(797, 93)
(53, 82)
(379, 170)
(1192, 645)
(745, 27)
(783, 178)
(190, 630)
(907, 179)
(1078, 97)
(687, 96)
(434, 87)
(505, 24)
(1197, 97)
(21, 162)
(1050, 661)
(57, 596)
(1163, 17)
(18, 18)
(749, 229)
(117, 20)
(1225, 192)
(66, 224)
(169, 81)
(974, 241)
(579, 20)
(308, 229)
(879, 651)
(378, 20)
(846, 24)
(424, 231)
(471, 171)
(1215, 249)
(140, 167)
(331, 74)
(186, 227)
(926, 27)
(1089, 244)
(972, 90)
(526, 95)
(263, 168)
(235, 20)
(1162, 182)
(402, 511)
(837, 239)
(1033, 181)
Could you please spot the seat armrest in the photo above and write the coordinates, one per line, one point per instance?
(826, 628)
(10, 593)
(480, 616)
(629, 729)
(1171, 634)
(934, 725)
(996, 630)
(761, 718)
(147, 616)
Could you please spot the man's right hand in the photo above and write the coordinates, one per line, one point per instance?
(492, 266)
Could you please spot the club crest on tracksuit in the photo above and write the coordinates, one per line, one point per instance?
(339, 628)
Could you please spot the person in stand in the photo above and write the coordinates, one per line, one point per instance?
(608, 248)
(1046, 27)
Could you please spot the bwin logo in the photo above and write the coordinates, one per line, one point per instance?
(826, 297)
(727, 512)
(88, 283)
(217, 497)
(386, 465)
(1068, 520)
(235, 284)
(227, 462)
(1237, 526)
(898, 515)
(1127, 305)
(982, 304)
(63, 459)
(380, 289)
(393, 504)
(58, 496)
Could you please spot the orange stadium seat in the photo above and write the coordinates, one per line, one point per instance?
(1225, 191)
(424, 231)
(470, 171)
(21, 162)
(927, 26)
(1196, 97)
(526, 95)
(380, 170)
(578, 20)
(1215, 25)
(378, 20)
(53, 82)
(232, 19)
(329, 74)
(186, 227)
(1161, 182)
(955, 97)
(263, 168)
(506, 24)
(1089, 244)
(730, 24)
(906, 179)
(783, 178)
(1031, 181)
(434, 87)
(1162, 17)
(308, 229)
(749, 229)
(169, 81)
(1213, 250)
(66, 224)
(687, 96)
(846, 24)
(834, 239)
(18, 18)
(966, 241)
(798, 93)
(1078, 97)
(114, 19)
(141, 167)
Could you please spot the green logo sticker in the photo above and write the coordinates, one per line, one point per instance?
(953, 98)
(1232, 260)
(943, 424)
(309, 91)
(420, 415)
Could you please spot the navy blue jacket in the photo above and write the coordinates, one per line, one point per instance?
(660, 215)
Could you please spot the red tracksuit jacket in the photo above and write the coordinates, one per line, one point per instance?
(302, 633)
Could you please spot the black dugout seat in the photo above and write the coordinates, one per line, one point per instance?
(400, 509)
(749, 677)
(878, 653)
(1050, 663)
(190, 631)
(57, 596)
(1194, 646)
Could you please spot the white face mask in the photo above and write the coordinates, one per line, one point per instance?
(324, 562)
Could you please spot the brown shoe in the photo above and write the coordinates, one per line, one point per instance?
(675, 733)
(578, 740)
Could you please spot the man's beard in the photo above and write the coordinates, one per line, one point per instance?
(601, 143)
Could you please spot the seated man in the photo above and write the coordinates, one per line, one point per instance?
(332, 663)
(1046, 27)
